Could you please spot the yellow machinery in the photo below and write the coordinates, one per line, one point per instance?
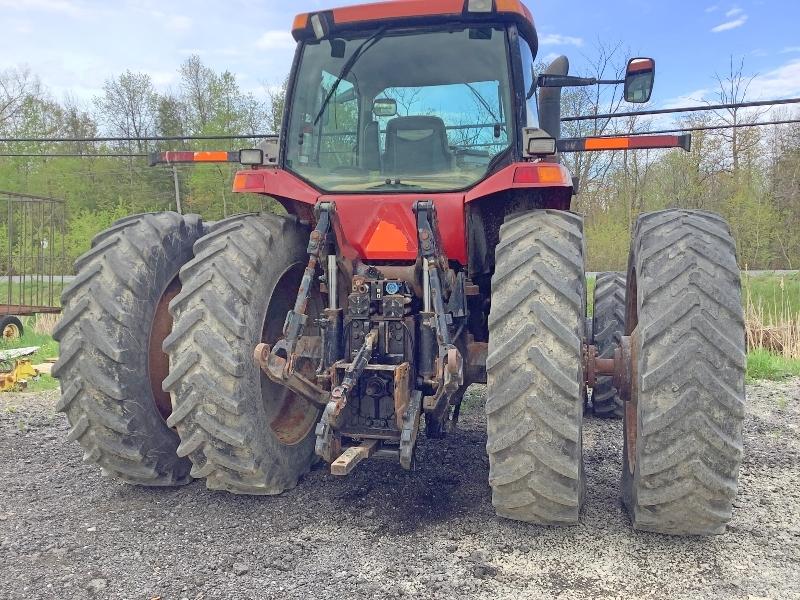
(16, 369)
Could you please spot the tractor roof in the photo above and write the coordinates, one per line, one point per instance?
(412, 12)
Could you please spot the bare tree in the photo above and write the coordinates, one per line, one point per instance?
(129, 107)
(16, 86)
(733, 88)
(197, 82)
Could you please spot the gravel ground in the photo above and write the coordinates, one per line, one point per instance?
(65, 532)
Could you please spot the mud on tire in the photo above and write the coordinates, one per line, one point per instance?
(115, 413)
(683, 429)
(534, 406)
(608, 324)
(242, 432)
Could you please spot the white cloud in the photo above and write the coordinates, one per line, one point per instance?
(778, 83)
(734, 12)
(275, 40)
(711, 9)
(691, 99)
(790, 49)
(728, 25)
(555, 39)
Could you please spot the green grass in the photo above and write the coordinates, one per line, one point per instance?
(37, 293)
(763, 290)
(48, 348)
(777, 295)
(765, 365)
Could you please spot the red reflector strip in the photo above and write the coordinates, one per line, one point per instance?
(245, 181)
(543, 173)
(631, 142)
(215, 156)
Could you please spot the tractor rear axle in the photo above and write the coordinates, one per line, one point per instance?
(618, 367)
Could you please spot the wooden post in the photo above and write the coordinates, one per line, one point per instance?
(177, 190)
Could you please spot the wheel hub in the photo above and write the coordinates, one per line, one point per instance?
(11, 332)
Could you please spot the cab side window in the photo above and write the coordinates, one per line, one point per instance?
(338, 136)
(527, 72)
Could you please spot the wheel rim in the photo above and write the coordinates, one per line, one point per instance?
(290, 416)
(11, 332)
(631, 416)
(157, 360)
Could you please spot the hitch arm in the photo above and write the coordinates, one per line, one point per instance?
(450, 362)
(296, 319)
(327, 446)
(353, 372)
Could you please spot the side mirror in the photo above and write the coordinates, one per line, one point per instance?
(639, 77)
(384, 107)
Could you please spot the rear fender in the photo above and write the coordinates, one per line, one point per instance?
(552, 181)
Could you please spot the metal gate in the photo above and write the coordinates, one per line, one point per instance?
(33, 254)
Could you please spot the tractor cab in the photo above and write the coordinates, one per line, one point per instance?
(379, 102)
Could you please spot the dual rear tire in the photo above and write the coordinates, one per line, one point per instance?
(111, 364)
(683, 424)
(207, 296)
(242, 432)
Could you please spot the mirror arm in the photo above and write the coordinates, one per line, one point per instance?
(571, 81)
(564, 81)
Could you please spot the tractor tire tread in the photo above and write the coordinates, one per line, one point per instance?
(534, 403)
(104, 332)
(608, 324)
(692, 371)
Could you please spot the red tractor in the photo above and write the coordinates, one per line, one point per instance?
(428, 245)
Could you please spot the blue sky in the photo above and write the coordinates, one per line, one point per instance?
(74, 45)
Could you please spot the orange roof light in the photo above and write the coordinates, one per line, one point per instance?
(514, 6)
(300, 22)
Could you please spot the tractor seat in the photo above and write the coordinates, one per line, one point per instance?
(416, 146)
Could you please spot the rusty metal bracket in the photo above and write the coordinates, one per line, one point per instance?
(402, 386)
(327, 445)
(450, 372)
(623, 373)
(296, 318)
(408, 435)
(339, 394)
(274, 362)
